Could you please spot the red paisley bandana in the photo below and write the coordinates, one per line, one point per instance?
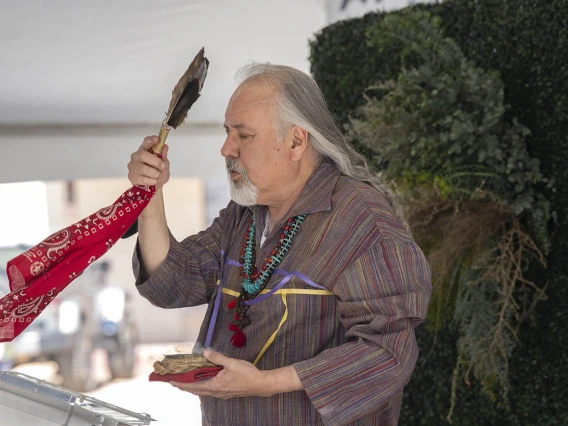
(42, 272)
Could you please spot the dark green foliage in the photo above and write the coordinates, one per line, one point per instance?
(344, 67)
(526, 41)
(335, 52)
(444, 117)
(426, 398)
(537, 376)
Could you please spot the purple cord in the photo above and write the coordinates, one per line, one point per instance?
(216, 308)
(258, 299)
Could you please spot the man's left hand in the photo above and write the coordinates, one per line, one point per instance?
(241, 378)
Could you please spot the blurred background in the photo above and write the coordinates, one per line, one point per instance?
(81, 84)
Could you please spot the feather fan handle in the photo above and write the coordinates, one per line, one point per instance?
(184, 94)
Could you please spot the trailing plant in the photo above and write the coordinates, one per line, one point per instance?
(479, 253)
(438, 131)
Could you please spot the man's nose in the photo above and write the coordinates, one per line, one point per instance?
(230, 148)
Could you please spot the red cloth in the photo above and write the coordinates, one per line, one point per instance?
(191, 376)
(42, 272)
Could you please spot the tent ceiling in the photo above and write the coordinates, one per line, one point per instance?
(81, 83)
(69, 61)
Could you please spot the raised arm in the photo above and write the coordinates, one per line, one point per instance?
(146, 168)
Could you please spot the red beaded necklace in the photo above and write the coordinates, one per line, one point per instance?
(255, 280)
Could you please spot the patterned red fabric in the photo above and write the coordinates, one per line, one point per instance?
(42, 272)
(191, 376)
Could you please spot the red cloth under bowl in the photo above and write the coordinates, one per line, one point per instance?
(188, 377)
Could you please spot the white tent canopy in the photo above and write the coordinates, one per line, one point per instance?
(106, 61)
(81, 83)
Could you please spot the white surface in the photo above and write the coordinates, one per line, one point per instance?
(15, 410)
(25, 398)
(346, 9)
(109, 61)
(168, 405)
(30, 213)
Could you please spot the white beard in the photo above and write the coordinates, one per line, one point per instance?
(243, 193)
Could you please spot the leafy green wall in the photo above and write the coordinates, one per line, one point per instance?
(527, 42)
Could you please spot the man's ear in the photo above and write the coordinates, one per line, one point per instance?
(300, 138)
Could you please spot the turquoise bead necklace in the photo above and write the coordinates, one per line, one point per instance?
(255, 279)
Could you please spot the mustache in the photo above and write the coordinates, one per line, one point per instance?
(232, 166)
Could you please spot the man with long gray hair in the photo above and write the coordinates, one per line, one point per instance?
(313, 282)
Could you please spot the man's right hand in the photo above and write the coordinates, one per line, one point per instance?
(146, 168)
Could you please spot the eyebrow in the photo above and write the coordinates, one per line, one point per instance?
(238, 126)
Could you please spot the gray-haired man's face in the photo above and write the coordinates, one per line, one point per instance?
(257, 163)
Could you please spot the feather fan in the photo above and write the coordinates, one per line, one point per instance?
(184, 94)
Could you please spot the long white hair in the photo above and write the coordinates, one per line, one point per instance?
(300, 102)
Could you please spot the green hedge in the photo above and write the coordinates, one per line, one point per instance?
(527, 42)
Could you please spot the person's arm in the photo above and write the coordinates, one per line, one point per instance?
(382, 296)
(146, 168)
(153, 235)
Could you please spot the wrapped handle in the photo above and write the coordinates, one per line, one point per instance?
(163, 135)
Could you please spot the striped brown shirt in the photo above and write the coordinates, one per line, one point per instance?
(356, 286)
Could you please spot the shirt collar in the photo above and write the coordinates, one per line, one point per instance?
(315, 196)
